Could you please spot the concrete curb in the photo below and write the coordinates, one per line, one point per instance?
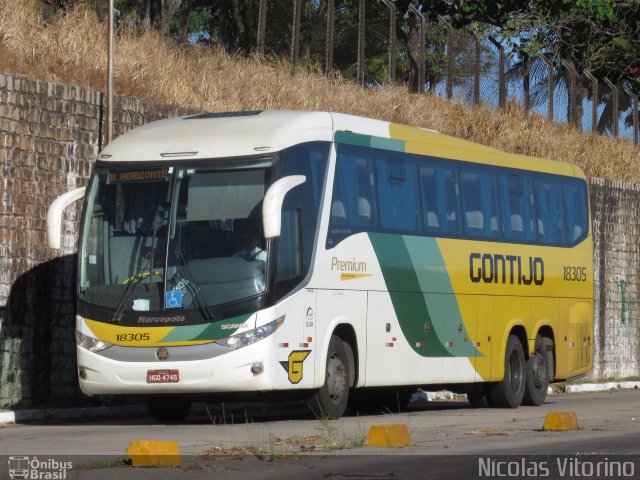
(424, 396)
(26, 416)
(601, 387)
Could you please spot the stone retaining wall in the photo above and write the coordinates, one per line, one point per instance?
(49, 135)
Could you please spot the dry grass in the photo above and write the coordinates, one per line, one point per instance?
(72, 49)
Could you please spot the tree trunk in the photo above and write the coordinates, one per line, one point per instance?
(169, 8)
(412, 44)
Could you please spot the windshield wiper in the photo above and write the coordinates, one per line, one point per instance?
(131, 284)
(138, 277)
(194, 290)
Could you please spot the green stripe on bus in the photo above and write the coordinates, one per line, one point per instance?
(422, 295)
(184, 333)
(408, 301)
(388, 144)
(441, 302)
(360, 140)
(210, 331)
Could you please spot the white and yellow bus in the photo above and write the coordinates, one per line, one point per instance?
(390, 258)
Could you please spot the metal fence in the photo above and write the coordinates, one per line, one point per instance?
(478, 70)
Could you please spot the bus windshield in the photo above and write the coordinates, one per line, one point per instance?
(174, 238)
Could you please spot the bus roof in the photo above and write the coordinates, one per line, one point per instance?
(229, 134)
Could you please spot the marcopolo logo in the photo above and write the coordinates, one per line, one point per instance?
(33, 468)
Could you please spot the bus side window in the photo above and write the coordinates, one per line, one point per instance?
(397, 193)
(517, 208)
(301, 208)
(351, 190)
(575, 207)
(449, 202)
(550, 222)
(433, 218)
(353, 206)
(480, 204)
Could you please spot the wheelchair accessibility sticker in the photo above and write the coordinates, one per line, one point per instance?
(173, 299)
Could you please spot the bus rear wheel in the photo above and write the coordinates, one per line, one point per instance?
(510, 391)
(331, 400)
(537, 374)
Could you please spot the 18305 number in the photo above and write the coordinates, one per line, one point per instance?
(132, 337)
(575, 274)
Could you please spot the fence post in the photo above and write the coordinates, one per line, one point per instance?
(594, 100)
(328, 54)
(634, 99)
(421, 47)
(550, 87)
(262, 25)
(451, 58)
(295, 34)
(110, 69)
(616, 105)
(100, 121)
(572, 115)
(361, 40)
(392, 39)
(476, 76)
(526, 81)
(502, 78)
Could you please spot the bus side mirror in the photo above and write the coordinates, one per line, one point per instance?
(272, 205)
(54, 215)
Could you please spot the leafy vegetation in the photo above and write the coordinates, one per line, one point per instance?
(602, 36)
(71, 48)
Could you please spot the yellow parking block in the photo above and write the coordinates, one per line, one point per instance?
(560, 421)
(392, 435)
(154, 453)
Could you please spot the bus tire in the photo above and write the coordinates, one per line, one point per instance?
(537, 381)
(169, 410)
(330, 401)
(551, 364)
(509, 392)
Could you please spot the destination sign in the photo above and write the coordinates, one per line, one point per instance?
(148, 175)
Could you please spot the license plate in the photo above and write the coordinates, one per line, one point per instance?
(163, 376)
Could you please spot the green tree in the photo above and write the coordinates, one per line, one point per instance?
(602, 36)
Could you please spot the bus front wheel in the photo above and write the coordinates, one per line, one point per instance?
(331, 400)
(510, 391)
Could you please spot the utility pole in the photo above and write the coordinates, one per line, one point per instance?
(109, 126)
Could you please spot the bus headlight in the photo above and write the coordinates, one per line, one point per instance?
(89, 343)
(247, 338)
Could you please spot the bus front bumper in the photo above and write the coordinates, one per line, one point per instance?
(247, 369)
